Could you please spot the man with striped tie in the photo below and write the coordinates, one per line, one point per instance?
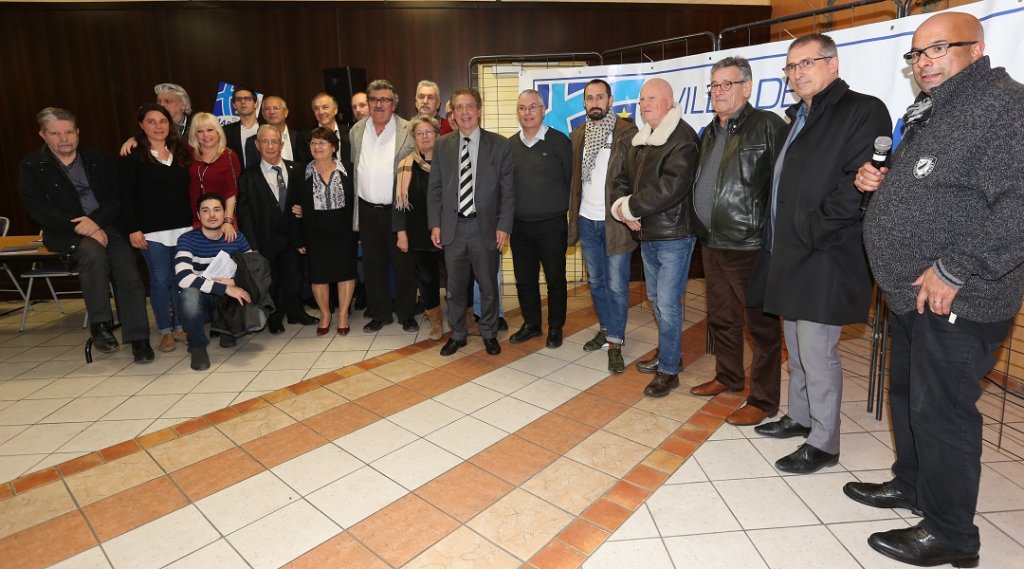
(471, 204)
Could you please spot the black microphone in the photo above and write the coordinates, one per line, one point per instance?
(882, 146)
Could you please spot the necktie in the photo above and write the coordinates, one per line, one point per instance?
(466, 206)
(282, 188)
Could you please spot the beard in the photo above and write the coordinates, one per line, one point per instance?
(597, 113)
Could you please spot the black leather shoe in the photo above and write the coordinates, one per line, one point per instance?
(525, 333)
(502, 324)
(783, 429)
(305, 320)
(917, 546)
(648, 365)
(884, 495)
(227, 341)
(142, 352)
(554, 338)
(102, 337)
(492, 346)
(410, 325)
(373, 326)
(452, 346)
(806, 460)
(200, 359)
(276, 327)
(662, 384)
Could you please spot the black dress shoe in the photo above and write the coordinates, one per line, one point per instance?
(373, 325)
(502, 324)
(662, 384)
(276, 327)
(783, 429)
(452, 346)
(554, 338)
(200, 359)
(492, 346)
(410, 325)
(227, 341)
(806, 460)
(142, 352)
(884, 495)
(917, 546)
(651, 365)
(525, 333)
(102, 337)
(305, 320)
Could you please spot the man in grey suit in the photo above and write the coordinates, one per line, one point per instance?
(379, 142)
(471, 205)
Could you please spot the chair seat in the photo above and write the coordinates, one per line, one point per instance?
(48, 273)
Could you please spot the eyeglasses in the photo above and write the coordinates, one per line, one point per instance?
(384, 100)
(317, 142)
(724, 85)
(250, 99)
(531, 109)
(271, 142)
(935, 51)
(803, 64)
(425, 133)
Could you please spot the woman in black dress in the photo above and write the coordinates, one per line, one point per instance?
(409, 217)
(324, 232)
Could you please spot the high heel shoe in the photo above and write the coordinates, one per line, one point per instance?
(325, 330)
(343, 330)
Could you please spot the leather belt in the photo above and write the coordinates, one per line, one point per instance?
(375, 205)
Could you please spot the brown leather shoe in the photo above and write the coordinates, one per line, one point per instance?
(713, 387)
(748, 415)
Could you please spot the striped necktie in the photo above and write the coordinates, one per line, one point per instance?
(466, 206)
(282, 188)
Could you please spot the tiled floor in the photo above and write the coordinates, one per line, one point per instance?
(373, 451)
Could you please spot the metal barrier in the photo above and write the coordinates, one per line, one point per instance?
(518, 59)
(901, 9)
(663, 43)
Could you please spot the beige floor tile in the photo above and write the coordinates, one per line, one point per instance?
(357, 386)
(642, 427)
(609, 453)
(108, 479)
(34, 507)
(310, 403)
(520, 523)
(463, 549)
(569, 485)
(677, 406)
(402, 369)
(190, 449)
(42, 438)
(255, 424)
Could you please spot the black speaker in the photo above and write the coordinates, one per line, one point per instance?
(341, 83)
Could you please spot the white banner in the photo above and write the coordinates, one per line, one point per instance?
(870, 60)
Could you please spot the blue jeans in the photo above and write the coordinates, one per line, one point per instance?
(196, 307)
(609, 280)
(163, 291)
(666, 267)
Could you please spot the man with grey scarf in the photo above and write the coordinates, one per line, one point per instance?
(943, 236)
(607, 244)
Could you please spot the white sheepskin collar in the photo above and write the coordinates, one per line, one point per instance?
(660, 135)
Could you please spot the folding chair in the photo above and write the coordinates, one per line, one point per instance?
(5, 224)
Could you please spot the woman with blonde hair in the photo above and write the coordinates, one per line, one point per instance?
(215, 168)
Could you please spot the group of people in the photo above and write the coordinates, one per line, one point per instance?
(777, 208)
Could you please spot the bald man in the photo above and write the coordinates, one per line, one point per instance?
(943, 236)
(651, 194)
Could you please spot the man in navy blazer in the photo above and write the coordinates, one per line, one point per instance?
(471, 205)
(238, 133)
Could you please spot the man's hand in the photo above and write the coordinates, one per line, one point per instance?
(435, 237)
(137, 239)
(633, 225)
(935, 293)
(100, 237)
(869, 178)
(230, 234)
(85, 226)
(238, 294)
(224, 281)
(297, 211)
(128, 146)
(403, 241)
(301, 250)
(502, 238)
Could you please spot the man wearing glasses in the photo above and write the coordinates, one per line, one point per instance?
(542, 160)
(943, 235)
(813, 271)
(730, 200)
(379, 143)
(238, 133)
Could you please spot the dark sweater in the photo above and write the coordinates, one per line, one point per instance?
(154, 197)
(543, 174)
(953, 198)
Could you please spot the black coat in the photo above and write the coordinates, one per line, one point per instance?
(260, 217)
(817, 269)
(233, 137)
(52, 200)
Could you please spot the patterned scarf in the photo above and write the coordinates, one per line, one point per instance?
(405, 178)
(920, 111)
(595, 139)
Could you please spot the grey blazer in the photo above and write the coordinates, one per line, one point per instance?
(404, 145)
(494, 193)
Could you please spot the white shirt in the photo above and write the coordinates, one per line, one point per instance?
(375, 172)
(592, 204)
(286, 145)
(271, 176)
(247, 133)
(540, 136)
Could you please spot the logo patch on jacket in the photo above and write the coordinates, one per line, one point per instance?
(924, 166)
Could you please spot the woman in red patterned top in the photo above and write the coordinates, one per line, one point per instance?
(216, 168)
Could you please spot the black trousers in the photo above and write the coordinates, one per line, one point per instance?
(428, 276)
(97, 265)
(935, 372)
(286, 270)
(537, 244)
(379, 245)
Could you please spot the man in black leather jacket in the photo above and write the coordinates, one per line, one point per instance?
(651, 196)
(730, 199)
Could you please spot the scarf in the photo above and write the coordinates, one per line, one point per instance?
(919, 111)
(595, 139)
(405, 178)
